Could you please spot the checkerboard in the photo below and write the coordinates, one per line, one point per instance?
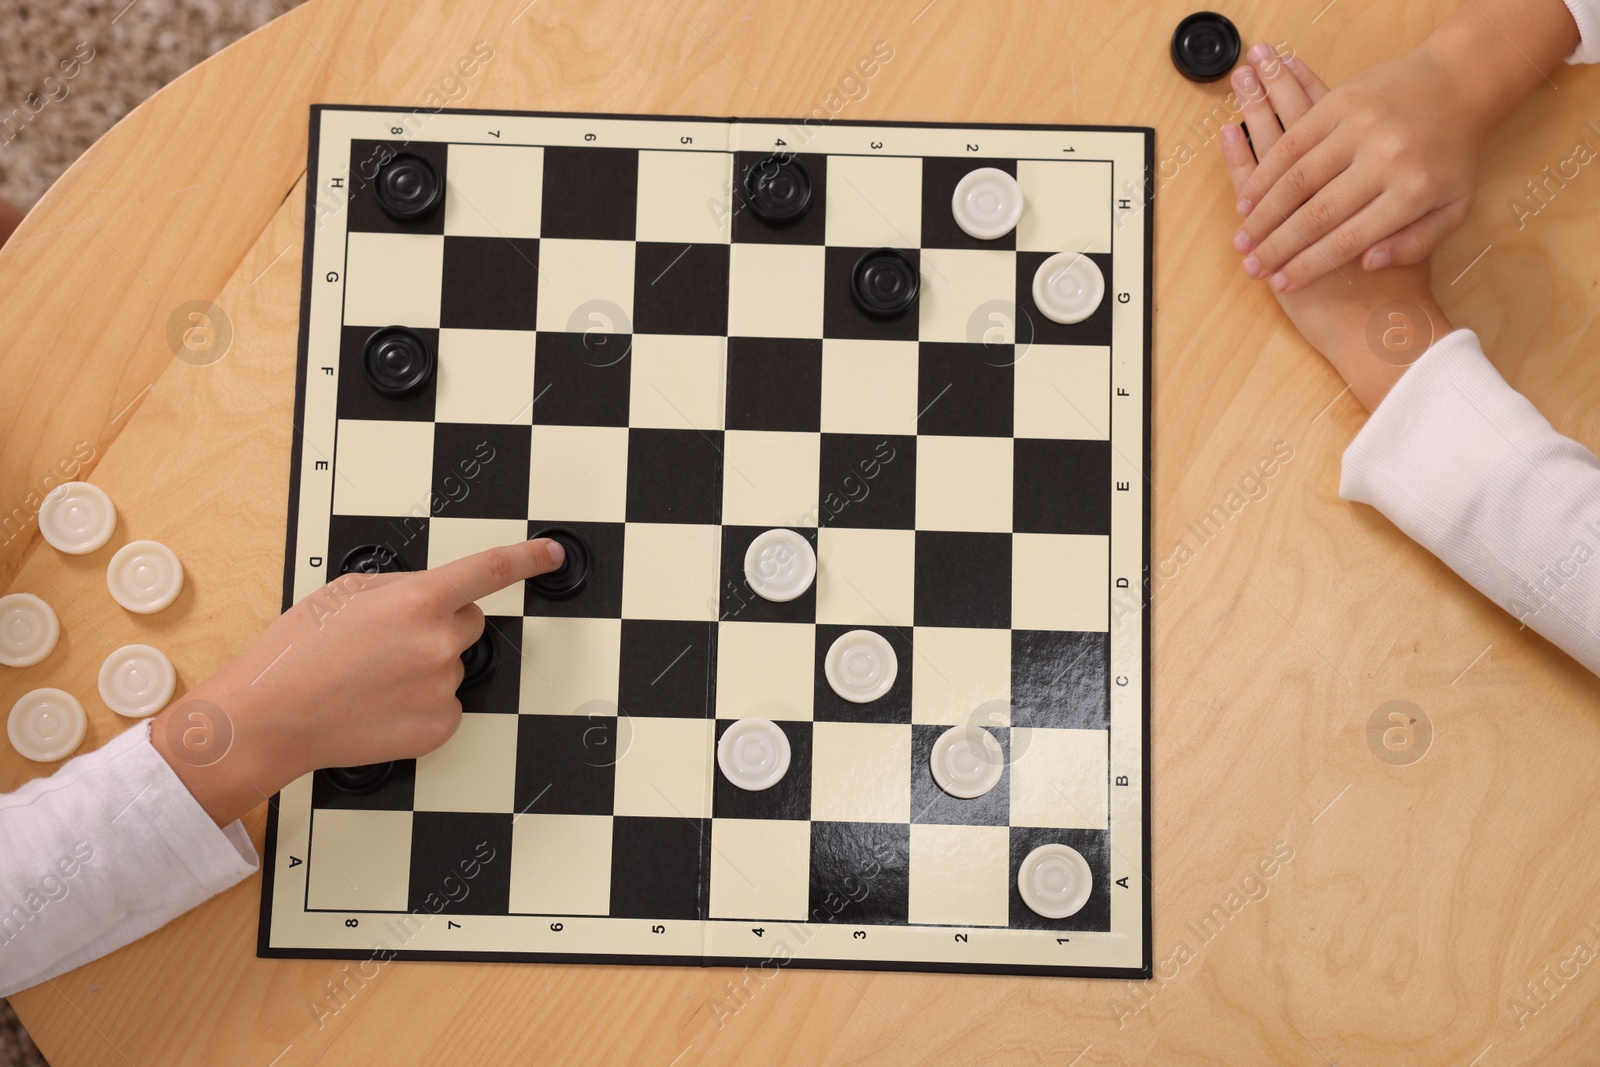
(625, 350)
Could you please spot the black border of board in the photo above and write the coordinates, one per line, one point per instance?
(264, 949)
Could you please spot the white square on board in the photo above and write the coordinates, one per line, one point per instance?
(579, 280)
(861, 772)
(963, 675)
(770, 478)
(765, 669)
(1066, 206)
(760, 869)
(961, 289)
(964, 483)
(451, 539)
(569, 666)
(869, 386)
(1059, 777)
(561, 864)
(1060, 582)
(1063, 391)
(684, 197)
(485, 377)
(663, 771)
(874, 202)
(677, 381)
(759, 274)
(393, 279)
(671, 571)
(383, 468)
(476, 770)
(372, 871)
(493, 190)
(960, 875)
(866, 577)
(578, 474)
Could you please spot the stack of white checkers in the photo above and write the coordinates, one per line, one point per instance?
(48, 724)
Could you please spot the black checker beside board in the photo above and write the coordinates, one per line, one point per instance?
(622, 349)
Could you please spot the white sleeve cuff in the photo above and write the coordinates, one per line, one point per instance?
(1586, 13)
(107, 849)
(1464, 465)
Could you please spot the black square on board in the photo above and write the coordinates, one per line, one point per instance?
(489, 283)
(964, 390)
(665, 668)
(963, 579)
(680, 288)
(868, 481)
(590, 193)
(674, 475)
(576, 384)
(932, 805)
(366, 157)
(940, 174)
(860, 873)
(1094, 330)
(656, 867)
(405, 536)
(893, 707)
(809, 229)
(1061, 487)
(501, 692)
(843, 317)
(790, 798)
(739, 602)
(566, 764)
(480, 471)
(601, 598)
(1061, 679)
(1095, 847)
(775, 384)
(397, 793)
(460, 863)
(359, 400)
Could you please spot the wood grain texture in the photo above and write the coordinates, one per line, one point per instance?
(1418, 900)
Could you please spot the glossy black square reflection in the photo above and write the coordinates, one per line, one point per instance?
(860, 873)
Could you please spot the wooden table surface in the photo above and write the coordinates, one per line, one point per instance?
(1420, 899)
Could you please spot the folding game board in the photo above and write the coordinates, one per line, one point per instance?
(625, 352)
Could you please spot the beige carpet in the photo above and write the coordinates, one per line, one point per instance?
(16, 1050)
(116, 53)
(69, 69)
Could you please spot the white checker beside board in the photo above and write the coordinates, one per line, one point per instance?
(624, 351)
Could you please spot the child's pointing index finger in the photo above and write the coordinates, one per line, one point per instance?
(474, 577)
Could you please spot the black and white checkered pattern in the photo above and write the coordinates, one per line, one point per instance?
(624, 351)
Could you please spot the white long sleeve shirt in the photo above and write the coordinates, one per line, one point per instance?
(1465, 466)
(113, 846)
(107, 849)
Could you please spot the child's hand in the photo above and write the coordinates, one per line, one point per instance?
(1385, 163)
(361, 671)
(1369, 326)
